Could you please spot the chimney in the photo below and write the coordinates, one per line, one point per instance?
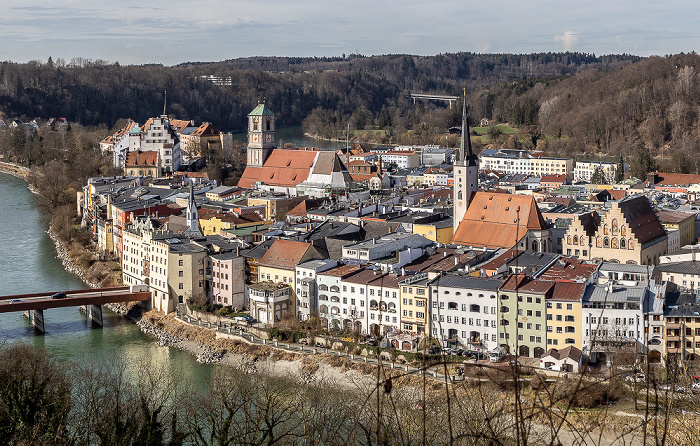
(444, 254)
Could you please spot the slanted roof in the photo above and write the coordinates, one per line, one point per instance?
(570, 269)
(498, 220)
(137, 158)
(641, 218)
(553, 179)
(568, 291)
(285, 254)
(568, 352)
(284, 167)
(673, 216)
(261, 110)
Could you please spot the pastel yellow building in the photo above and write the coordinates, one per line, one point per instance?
(414, 298)
(680, 221)
(438, 231)
(214, 223)
(563, 311)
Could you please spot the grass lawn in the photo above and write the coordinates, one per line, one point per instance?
(504, 128)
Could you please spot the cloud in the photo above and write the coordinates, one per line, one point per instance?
(569, 40)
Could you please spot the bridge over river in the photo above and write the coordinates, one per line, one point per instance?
(91, 300)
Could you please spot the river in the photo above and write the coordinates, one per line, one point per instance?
(295, 136)
(28, 264)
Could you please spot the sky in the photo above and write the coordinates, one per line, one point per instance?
(176, 31)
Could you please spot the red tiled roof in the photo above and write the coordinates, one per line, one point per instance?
(206, 129)
(568, 291)
(498, 220)
(568, 352)
(363, 177)
(138, 159)
(569, 269)
(286, 254)
(179, 124)
(527, 285)
(553, 179)
(284, 167)
(343, 271)
(617, 194)
(672, 179)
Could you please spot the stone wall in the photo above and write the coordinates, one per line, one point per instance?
(215, 319)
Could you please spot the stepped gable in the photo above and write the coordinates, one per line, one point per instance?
(284, 167)
(590, 222)
(493, 220)
(641, 218)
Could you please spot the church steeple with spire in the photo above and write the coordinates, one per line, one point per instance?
(192, 217)
(465, 171)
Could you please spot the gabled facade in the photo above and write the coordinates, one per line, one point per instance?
(496, 220)
(629, 232)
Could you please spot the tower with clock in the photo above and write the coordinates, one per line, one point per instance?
(261, 135)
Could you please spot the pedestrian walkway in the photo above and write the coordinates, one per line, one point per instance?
(235, 330)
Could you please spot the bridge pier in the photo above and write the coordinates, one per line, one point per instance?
(36, 318)
(93, 313)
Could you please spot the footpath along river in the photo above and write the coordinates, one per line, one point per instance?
(28, 264)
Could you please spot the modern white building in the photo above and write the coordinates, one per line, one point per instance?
(613, 320)
(306, 287)
(464, 311)
(584, 170)
(402, 159)
(385, 246)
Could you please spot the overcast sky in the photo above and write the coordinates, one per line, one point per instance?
(138, 32)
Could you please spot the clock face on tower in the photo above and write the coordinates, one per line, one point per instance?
(255, 138)
(268, 138)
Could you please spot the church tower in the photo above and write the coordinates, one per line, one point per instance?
(192, 217)
(261, 135)
(465, 172)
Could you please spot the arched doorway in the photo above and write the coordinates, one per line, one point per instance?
(654, 356)
(539, 351)
(524, 350)
(374, 329)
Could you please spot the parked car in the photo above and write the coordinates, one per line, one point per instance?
(59, 295)
(634, 378)
(16, 301)
(434, 350)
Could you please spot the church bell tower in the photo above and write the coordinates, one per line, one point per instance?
(261, 135)
(465, 171)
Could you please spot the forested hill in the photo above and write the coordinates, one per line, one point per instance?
(652, 106)
(96, 92)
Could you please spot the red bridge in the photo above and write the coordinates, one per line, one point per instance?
(91, 300)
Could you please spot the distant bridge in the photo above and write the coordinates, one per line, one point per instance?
(91, 300)
(433, 97)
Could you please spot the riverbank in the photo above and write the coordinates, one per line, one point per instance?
(16, 171)
(237, 352)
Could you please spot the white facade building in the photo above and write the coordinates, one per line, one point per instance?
(584, 170)
(306, 286)
(464, 311)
